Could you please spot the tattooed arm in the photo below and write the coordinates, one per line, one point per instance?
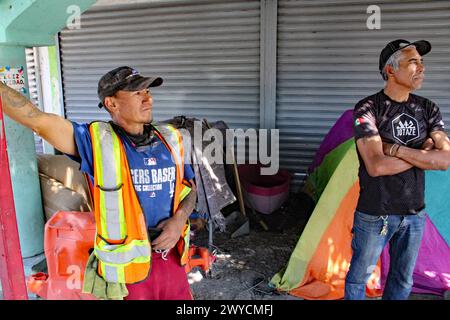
(377, 163)
(51, 127)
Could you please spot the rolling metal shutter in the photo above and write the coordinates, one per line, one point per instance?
(328, 60)
(32, 61)
(207, 52)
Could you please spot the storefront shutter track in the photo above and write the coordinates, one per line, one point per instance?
(34, 87)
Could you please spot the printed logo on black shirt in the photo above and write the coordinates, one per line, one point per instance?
(405, 128)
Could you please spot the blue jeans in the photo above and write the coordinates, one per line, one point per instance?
(404, 234)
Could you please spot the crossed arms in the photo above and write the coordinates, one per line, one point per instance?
(383, 159)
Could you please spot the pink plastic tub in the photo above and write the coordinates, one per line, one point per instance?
(265, 193)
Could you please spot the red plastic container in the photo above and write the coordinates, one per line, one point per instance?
(199, 256)
(266, 193)
(69, 237)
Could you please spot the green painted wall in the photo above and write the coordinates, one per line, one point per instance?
(34, 23)
(54, 78)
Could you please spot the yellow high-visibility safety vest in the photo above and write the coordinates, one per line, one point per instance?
(121, 243)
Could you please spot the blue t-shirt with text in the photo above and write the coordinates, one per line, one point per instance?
(152, 169)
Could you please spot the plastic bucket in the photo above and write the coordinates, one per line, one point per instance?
(266, 193)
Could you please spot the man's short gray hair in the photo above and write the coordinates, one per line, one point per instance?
(394, 61)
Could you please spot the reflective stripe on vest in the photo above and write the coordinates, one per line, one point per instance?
(113, 273)
(174, 140)
(184, 192)
(125, 254)
(109, 179)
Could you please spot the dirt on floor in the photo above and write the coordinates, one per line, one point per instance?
(244, 265)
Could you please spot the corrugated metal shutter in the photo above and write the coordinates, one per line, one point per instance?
(35, 89)
(207, 52)
(328, 60)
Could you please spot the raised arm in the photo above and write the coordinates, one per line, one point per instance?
(51, 127)
(376, 162)
(435, 159)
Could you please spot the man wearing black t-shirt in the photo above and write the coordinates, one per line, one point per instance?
(398, 136)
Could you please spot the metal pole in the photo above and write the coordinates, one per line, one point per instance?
(210, 234)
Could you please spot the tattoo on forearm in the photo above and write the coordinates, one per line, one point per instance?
(188, 203)
(33, 113)
(13, 98)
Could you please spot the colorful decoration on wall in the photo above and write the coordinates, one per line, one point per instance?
(14, 78)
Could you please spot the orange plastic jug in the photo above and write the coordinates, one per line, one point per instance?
(68, 241)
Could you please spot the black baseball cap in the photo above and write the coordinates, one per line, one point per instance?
(123, 78)
(422, 47)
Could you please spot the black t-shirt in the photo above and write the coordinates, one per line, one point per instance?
(409, 124)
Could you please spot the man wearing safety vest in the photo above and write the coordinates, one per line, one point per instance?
(139, 181)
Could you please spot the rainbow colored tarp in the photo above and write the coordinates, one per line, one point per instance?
(320, 260)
